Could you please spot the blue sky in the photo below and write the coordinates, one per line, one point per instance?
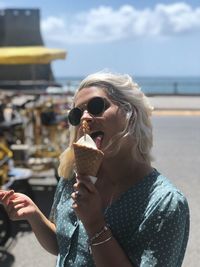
(142, 38)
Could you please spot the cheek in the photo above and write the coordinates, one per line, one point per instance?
(79, 133)
(121, 123)
(117, 121)
(121, 119)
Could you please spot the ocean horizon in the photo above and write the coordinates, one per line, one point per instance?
(149, 84)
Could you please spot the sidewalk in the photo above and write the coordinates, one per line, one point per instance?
(175, 105)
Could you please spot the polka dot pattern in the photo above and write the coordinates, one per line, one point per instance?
(150, 221)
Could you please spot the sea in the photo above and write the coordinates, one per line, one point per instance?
(149, 85)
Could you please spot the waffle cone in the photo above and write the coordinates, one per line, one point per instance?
(87, 160)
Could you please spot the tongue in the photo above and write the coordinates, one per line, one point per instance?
(98, 141)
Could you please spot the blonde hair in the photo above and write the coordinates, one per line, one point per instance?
(122, 90)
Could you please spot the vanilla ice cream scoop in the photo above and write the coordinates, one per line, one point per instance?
(87, 141)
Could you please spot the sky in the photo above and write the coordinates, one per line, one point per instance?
(141, 38)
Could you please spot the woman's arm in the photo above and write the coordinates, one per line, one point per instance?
(45, 232)
(21, 207)
(105, 248)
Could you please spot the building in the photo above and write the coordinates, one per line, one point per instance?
(21, 28)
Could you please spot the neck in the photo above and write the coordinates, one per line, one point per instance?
(116, 177)
(123, 170)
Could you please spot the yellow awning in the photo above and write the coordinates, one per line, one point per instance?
(30, 55)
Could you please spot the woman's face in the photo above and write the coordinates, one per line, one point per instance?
(104, 126)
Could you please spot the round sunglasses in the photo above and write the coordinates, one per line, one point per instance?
(95, 107)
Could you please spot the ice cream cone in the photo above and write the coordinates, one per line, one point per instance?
(87, 159)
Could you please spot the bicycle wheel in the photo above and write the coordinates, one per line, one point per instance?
(5, 230)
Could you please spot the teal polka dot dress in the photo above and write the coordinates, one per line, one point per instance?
(150, 221)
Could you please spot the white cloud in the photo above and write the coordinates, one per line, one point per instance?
(52, 24)
(105, 24)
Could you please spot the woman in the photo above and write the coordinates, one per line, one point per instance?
(132, 215)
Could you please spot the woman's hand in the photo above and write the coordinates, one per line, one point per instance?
(17, 205)
(88, 204)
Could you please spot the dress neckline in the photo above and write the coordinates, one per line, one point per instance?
(154, 173)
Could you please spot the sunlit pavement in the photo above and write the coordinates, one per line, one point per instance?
(175, 105)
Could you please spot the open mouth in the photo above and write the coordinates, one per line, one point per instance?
(98, 138)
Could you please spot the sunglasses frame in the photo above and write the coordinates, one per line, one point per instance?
(79, 111)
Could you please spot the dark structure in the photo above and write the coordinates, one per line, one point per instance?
(21, 27)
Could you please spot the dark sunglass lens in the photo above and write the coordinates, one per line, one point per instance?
(96, 106)
(75, 116)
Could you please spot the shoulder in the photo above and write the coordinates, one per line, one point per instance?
(166, 199)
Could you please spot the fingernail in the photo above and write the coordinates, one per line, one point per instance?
(93, 179)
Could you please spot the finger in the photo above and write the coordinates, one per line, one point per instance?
(9, 208)
(1, 196)
(6, 197)
(76, 196)
(81, 188)
(88, 184)
(14, 213)
(12, 203)
(21, 213)
(2, 193)
(15, 202)
(19, 206)
(75, 206)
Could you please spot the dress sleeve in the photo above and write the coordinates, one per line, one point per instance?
(57, 196)
(164, 232)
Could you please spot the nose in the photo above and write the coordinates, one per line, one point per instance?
(86, 116)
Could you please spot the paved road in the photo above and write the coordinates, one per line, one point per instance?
(176, 151)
